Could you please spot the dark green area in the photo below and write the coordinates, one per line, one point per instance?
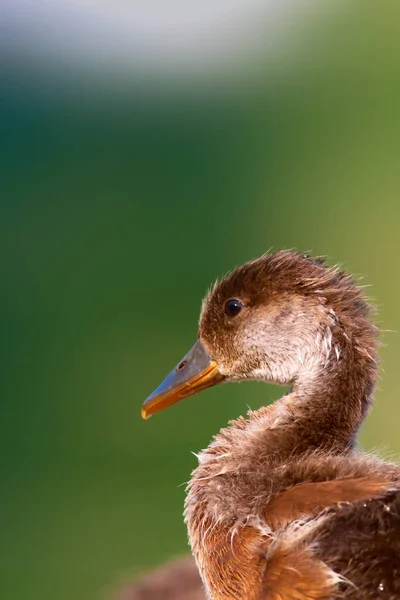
(114, 221)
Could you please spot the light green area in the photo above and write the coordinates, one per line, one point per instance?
(113, 223)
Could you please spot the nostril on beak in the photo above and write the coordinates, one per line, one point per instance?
(181, 365)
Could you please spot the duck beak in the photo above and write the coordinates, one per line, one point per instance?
(194, 373)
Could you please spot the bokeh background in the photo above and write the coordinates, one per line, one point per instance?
(145, 150)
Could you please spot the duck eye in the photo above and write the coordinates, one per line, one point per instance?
(233, 307)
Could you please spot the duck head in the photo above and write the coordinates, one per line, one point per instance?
(281, 318)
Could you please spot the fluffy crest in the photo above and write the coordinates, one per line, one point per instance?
(289, 272)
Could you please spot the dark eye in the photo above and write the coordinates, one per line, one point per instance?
(233, 307)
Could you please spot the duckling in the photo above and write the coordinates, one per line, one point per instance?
(283, 505)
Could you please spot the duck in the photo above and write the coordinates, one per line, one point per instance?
(283, 504)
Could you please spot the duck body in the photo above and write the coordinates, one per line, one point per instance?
(283, 506)
(317, 525)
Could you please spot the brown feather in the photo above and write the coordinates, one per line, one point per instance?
(310, 499)
(297, 575)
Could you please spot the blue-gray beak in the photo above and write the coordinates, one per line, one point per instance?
(195, 372)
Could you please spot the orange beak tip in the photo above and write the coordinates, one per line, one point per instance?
(144, 414)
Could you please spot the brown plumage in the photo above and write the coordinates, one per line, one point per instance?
(283, 505)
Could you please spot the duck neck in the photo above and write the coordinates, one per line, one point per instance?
(327, 404)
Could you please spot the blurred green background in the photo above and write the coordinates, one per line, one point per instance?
(120, 204)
